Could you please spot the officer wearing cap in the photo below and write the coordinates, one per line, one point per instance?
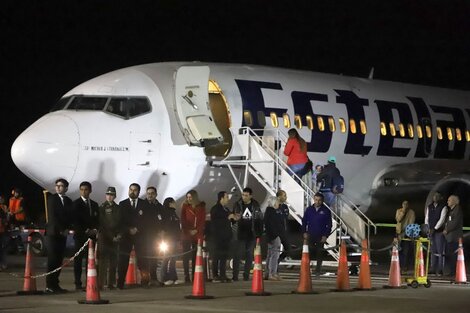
(110, 233)
(325, 177)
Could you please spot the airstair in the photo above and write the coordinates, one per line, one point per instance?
(260, 156)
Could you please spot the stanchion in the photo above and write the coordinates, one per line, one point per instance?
(92, 289)
(207, 263)
(305, 279)
(29, 284)
(257, 286)
(199, 286)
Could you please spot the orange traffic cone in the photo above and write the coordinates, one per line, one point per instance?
(199, 286)
(460, 272)
(92, 290)
(394, 278)
(305, 280)
(342, 277)
(207, 263)
(421, 271)
(131, 275)
(364, 282)
(29, 285)
(257, 285)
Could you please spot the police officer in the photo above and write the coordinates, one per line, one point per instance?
(85, 225)
(110, 234)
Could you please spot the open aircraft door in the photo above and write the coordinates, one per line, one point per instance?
(192, 106)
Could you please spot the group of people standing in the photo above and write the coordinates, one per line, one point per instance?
(444, 223)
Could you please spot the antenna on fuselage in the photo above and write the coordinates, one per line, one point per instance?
(371, 73)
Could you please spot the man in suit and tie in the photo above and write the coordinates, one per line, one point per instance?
(59, 209)
(138, 220)
(85, 225)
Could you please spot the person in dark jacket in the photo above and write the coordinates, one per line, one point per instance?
(110, 234)
(85, 225)
(157, 229)
(222, 235)
(59, 212)
(172, 235)
(453, 231)
(316, 227)
(435, 217)
(275, 230)
(325, 178)
(249, 219)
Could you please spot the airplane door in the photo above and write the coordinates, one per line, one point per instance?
(192, 106)
(144, 151)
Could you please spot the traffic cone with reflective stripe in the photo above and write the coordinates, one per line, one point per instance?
(421, 271)
(257, 285)
(92, 289)
(131, 275)
(199, 286)
(460, 272)
(394, 278)
(364, 282)
(207, 263)
(342, 277)
(305, 280)
(29, 284)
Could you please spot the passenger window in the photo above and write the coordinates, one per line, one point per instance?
(401, 130)
(81, 103)
(458, 134)
(428, 131)
(450, 133)
(363, 126)
(439, 133)
(309, 122)
(383, 129)
(297, 121)
(352, 126)
(419, 130)
(393, 131)
(342, 125)
(128, 107)
(410, 131)
(274, 121)
(248, 119)
(286, 120)
(321, 124)
(467, 135)
(331, 124)
(261, 118)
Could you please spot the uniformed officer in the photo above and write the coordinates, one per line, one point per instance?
(110, 233)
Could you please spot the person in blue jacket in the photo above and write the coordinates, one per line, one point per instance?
(316, 227)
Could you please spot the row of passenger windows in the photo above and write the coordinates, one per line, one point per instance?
(400, 130)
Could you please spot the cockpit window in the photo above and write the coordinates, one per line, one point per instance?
(128, 107)
(87, 103)
(60, 105)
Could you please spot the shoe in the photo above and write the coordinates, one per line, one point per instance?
(79, 288)
(50, 290)
(234, 278)
(61, 290)
(120, 287)
(279, 278)
(179, 282)
(111, 287)
(187, 279)
(273, 278)
(169, 282)
(217, 280)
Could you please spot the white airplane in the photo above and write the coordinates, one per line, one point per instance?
(162, 124)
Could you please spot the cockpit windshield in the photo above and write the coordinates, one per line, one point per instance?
(125, 107)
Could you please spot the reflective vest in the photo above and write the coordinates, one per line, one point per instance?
(15, 206)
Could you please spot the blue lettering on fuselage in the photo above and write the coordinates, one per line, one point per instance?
(304, 104)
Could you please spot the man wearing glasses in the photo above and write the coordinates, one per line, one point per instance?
(59, 208)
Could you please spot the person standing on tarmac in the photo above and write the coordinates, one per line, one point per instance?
(59, 211)
(453, 232)
(249, 226)
(85, 225)
(193, 219)
(16, 208)
(221, 217)
(138, 220)
(404, 217)
(110, 234)
(435, 217)
(275, 230)
(281, 196)
(3, 230)
(316, 227)
(157, 209)
(172, 228)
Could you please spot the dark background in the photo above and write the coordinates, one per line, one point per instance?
(49, 47)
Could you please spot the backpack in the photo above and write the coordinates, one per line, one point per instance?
(337, 184)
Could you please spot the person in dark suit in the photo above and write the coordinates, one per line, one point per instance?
(138, 220)
(59, 209)
(453, 231)
(85, 225)
(157, 228)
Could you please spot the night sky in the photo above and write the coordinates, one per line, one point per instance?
(48, 47)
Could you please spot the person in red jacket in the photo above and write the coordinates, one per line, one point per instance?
(296, 152)
(193, 217)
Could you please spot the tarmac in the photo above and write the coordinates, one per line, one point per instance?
(442, 296)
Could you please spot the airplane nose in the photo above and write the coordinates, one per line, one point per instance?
(48, 149)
